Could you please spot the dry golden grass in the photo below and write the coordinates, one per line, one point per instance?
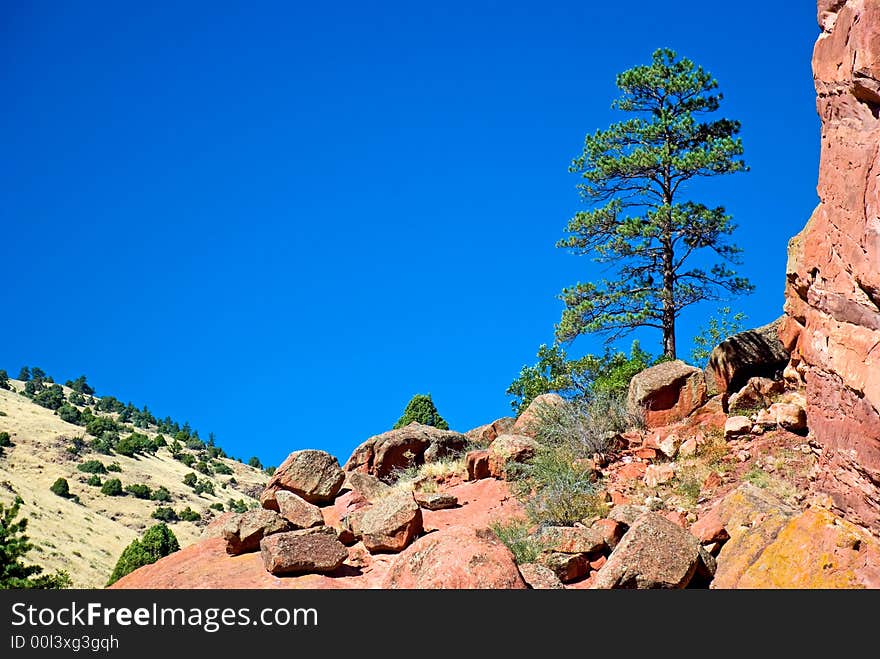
(426, 478)
(86, 538)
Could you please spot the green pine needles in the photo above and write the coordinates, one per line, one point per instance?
(635, 176)
(421, 409)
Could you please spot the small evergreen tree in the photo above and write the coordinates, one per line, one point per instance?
(4, 379)
(80, 386)
(14, 544)
(94, 480)
(161, 494)
(255, 463)
(158, 541)
(112, 487)
(421, 409)
(139, 490)
(190, 479)
(61, 488)
(24, 374)
(51, 398)
(69, 413)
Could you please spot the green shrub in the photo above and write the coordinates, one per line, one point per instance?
(161, 494)
(51, 398)
(112, 487)
(255, 462)
(114, 466)
(5, 440)
(515, 535)
(189, 515)
(187, 458)
(76, 398)
(217, 506)
(557, 488)
(221, 468)
(237, 505)
(190, 479)
(165, 514)
(94, 480)
(69, 413)
(204, 486)
(135, 443)
(61, 488)
(92, 467)
(14, 544)
(4, 380)
(139, 490)
(158, 541)
(204, 468)
(101, 424)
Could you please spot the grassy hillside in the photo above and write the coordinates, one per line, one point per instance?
(86, 533)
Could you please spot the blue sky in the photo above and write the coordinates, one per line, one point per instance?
(279, 221)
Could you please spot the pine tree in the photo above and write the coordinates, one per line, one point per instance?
(636, 174)
(14, 544)
(421, 409)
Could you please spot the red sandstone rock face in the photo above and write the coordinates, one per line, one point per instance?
(833, 273)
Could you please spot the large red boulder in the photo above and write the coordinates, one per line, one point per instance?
(485, 435)
(300, 513)
(753, 353)
(301, 552)
(540, 407)
(412, 445)
(313, 475)
(244, 532)
(456, 557)
(509, 449)
(390, 524)
(667, 392)
(832, 295)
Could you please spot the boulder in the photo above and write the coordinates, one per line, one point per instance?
(539, 577)
(626, 514)
(571, 539)
(612, 531)
(435, 500)
(790, 416)
(527, 422)
(485, 435)
(658, 474)
(654, 553)
(753, 353)
(758, 392)
(737, 426)
(412, 445)
(667, 392)
(510, 449)
(298, 552)
(566, 567)
(457, 557)
(367, 486)
(391, 523)
(710, 528)
(313, 475)
(300, 513)
(244, 531)
(477, 465)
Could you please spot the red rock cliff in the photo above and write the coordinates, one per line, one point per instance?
(833, 274)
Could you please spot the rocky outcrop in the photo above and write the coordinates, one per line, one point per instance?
(773, 545)
(390, 524)
(368, 487)
(313, 475)
(244, 532)
(832, 324)
(655, 553)
(300, 513)
(456, 557)
(527, 422)
(412, 445)
(485, 435)
(435, 500)
(539, 577)
(753, 353)
(477, 463)
(667, 392)
(299, 552)
(509, 449)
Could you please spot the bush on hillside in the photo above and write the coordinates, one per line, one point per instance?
(165, 514)
(139, 490)
(161, 494)
(190, 479)
(158, 541)
(221, 468)
(92, 467)
(515, 535)
(61, 488)
(51, 398)
(112, 487)
(99, 425)
(5, 440)
(114, 466)
(14, 544)
(4, 380)
(204, 486)
(94, 480)
(189, 515)
(421, 409)
(255, 462)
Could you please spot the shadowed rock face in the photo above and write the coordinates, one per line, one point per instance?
(832, 324)
(754, 353)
